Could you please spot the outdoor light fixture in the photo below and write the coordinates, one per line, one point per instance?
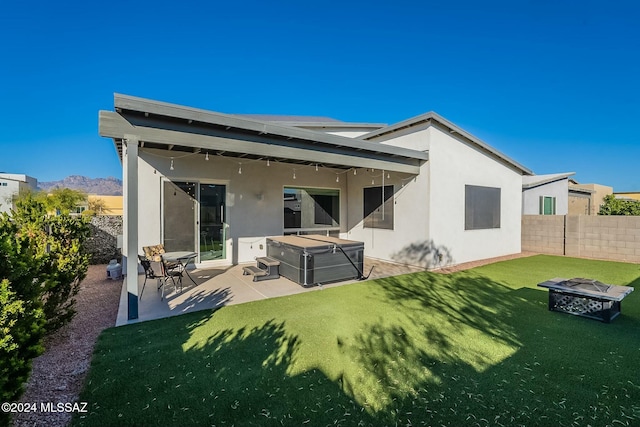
(294, 174)
(372, 181)
(240, 169)
(206, 156)
(171, 166)
(268, 162)
(388, 175)
(337, 178)
(316, 167)
(355, 172)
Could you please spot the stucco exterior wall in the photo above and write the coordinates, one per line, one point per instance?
(454, 164)
(558, 189)
(579, 204)
(410, 212)
(8, 188)
(11, 185)
(254, 199)
(429, 208)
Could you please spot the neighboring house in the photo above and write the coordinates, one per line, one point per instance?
(627, 195)
(112, 204)
(421, 192)
(11, 185)
(586, 199)
(546, 194)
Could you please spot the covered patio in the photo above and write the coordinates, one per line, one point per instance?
(218, 287)
(190, 175)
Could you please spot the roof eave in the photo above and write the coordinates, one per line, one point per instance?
(435, 117)
(127, 102)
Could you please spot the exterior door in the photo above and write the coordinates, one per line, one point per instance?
(212, 229)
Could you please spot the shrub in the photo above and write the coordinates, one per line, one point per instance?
(22, 322)
(42, 262)
(614, 206)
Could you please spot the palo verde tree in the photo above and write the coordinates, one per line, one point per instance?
(41, 265)
(614, 206)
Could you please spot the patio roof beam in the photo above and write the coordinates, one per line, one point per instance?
(147, 109)
(115, 126)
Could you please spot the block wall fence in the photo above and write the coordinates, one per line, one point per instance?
(615, 238)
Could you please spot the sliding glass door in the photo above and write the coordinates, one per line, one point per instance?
(194, 219)
(179, 216)
(212, 222)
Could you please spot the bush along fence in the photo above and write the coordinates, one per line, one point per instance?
(102, 242)
(615, 238)
(42, 262)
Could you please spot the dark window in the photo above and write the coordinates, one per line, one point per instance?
(378, 210)
(310, 208)
(482, 207)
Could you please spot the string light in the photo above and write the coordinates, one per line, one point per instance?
(171, 167)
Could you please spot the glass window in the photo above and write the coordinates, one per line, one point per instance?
(482, 207)
(547, 205)
(311, 208)
(378, 209)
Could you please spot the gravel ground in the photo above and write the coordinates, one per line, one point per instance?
(59, 373)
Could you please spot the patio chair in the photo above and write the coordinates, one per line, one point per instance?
(148, 273)
(173, 272)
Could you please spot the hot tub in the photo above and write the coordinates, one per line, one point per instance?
(314, 259)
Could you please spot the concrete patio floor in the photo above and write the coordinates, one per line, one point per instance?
(217, 287)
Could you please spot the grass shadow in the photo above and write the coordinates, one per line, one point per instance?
(178, 374)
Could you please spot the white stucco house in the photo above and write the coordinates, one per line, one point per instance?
(546, 194)
(12, 184)
(421, 192)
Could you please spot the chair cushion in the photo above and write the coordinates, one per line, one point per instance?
(153, 252)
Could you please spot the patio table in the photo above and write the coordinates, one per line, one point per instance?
(183, 258)
(586, 297)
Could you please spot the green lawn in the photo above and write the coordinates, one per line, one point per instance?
(473, 348)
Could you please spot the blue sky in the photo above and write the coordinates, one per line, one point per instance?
(555, 85)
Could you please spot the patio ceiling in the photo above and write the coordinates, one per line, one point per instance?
(182, 129)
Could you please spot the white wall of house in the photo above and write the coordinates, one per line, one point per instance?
(254, 199)
(410, 212)
(429, 208)
(558, 189)
(11, 185)
(439, 192)
(455, 164)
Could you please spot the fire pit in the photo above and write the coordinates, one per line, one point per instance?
(586, 297)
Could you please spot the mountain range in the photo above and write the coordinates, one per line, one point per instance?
(103, 186)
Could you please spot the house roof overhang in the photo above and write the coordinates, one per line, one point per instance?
(184, 129)
(538, 180)
(432, 118)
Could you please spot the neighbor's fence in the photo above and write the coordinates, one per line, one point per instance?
(590, 236)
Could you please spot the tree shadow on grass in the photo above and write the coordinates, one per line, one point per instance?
(182, 375)
(474, 352)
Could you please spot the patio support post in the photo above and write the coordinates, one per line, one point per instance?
(130, 167)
